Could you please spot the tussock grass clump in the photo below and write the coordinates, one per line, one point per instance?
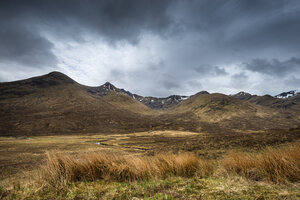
(277, 165)
(63, 168)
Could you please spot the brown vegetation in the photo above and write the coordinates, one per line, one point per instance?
(274, 164)
(18, 154)
(63, 168)
(108, 174)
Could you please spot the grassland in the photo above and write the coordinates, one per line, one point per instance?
(21, 160)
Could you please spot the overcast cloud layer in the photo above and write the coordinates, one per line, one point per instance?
(155, 48)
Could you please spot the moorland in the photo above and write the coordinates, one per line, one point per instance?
(63, 140)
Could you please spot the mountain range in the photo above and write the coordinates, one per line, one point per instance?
(54, 104)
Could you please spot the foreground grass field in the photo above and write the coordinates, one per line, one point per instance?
(152, 165)
(210, 188)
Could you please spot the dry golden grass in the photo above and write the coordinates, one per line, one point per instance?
(275, 164)
(64, 168)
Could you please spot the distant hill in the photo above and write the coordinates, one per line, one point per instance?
(232, 113)
(55, 104)
(285, 102)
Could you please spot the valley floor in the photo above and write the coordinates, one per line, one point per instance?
(21, 157)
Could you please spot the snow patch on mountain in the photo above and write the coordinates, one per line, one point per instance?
(289, 94)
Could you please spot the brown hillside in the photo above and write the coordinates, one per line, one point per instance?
(233, 113)
(56, 104)
(126, 102)
(289, 105)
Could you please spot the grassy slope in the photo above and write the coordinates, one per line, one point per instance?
(65, 107)
(232, 113)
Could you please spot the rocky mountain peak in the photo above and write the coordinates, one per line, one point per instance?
(242, 95)
(285, 95)
(108, 86)
(152, 102)
(104, 89)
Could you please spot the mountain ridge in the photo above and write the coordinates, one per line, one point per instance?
(55, 104)
(56, 77)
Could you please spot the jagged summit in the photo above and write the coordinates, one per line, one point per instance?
(285, 95)
(152, 102)
(108, 86)
(242, 95)
(104, 89)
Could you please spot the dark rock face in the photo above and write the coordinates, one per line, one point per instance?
(242, 96)
(103, 89)
(162, 103)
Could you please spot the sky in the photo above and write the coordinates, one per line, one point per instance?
(155, 47)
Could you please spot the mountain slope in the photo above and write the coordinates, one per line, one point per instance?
(55, 104)
(280, 102)
(233, 113)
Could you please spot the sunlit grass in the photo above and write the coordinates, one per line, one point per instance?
(274, 164)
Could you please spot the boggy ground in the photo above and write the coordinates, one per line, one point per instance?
(26, 154)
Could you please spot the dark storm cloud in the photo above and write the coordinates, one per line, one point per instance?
(239, 24)
(198, 39)
(23, 22)
(115, 19)
(22, 45)
(274, 66)
(237, 21)
(278, 30)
